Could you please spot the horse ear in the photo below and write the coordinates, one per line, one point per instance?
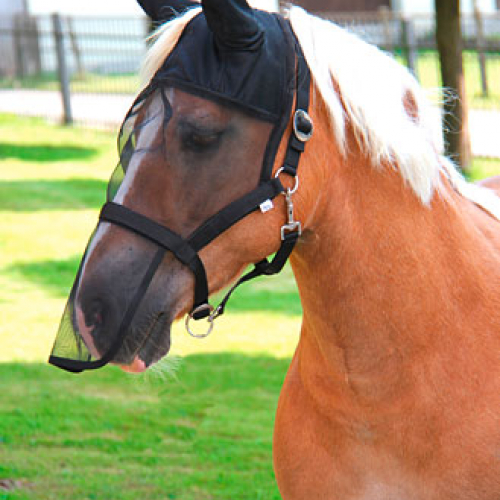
(233, 23)
(161, 11)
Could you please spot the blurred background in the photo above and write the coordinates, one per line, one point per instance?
(200, 425)
(81, 63)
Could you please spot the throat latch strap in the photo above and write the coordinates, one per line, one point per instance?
(264, 267)
(186, 250)
(290, 232)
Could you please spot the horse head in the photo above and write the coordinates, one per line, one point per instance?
(199, 150)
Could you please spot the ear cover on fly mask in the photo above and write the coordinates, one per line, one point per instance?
(233, 23)
(161, 11)
(235, 55)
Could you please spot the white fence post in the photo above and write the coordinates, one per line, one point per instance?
(62, 68)
(480, 46)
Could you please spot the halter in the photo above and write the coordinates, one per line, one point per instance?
(187, 250)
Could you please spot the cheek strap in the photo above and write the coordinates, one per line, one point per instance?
(290, 232)
(186, 250)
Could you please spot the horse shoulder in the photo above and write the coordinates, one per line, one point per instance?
(489, 226)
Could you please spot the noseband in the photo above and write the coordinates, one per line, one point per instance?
(187, 250)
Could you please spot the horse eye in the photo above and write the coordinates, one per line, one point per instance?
(199, 139)
(203, 140)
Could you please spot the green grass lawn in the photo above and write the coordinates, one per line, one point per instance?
(205, 434)
(203, 431)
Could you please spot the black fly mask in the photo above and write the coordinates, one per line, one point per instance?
(239, 58)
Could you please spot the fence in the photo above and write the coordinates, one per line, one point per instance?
(78, 57)
(80, 68)
(412, 41)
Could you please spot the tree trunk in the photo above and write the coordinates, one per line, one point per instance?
(449, 43)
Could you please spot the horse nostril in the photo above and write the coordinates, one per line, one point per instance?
(89, 318)
(96, 322)
(94, 315)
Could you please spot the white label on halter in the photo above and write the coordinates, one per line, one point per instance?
(265, 206)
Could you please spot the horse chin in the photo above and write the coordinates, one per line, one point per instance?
(155, 346)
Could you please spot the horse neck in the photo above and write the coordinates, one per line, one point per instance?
(385, 280)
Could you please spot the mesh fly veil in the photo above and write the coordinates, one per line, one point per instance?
(92, 340)
(250, 71)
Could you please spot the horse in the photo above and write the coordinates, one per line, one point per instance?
(394, 388)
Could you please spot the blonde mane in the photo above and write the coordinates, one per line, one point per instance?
(362, 86)
(367, 88)
(165, 39)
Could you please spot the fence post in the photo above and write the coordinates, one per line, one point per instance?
(480, 44)
(409, 45)
(35, 42)
(386, 17)
(62, 68)
(18, 47)
(75, 48)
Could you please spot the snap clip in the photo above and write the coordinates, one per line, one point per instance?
(292, 225)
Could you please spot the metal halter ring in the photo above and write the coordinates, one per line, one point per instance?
(210, 320)
(295, 186)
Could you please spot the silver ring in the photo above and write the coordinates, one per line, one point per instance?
(210, 320)
(295, 186)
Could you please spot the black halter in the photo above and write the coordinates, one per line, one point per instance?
(186, 250)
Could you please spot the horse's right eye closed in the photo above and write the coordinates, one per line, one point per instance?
(198, 139)
(202, 141)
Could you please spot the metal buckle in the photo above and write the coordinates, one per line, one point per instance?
(301, 118)
(210, 320)
(292, 225)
